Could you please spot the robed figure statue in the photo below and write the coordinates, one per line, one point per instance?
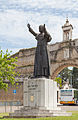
(41, 64)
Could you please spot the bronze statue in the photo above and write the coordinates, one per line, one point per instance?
(41, 65)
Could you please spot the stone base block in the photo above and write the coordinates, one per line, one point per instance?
(40, 93)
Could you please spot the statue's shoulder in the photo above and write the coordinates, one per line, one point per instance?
(37, 36)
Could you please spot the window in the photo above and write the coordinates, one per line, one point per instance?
(66, 92)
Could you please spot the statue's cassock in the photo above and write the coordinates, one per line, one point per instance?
(41, 64)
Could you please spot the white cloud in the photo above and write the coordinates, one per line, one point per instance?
(12, 22)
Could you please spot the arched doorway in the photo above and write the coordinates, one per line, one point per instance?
(60, 68)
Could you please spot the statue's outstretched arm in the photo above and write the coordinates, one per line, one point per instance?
(31, 30)
(47, 34)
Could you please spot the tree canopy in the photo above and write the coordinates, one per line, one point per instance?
(59, 81)
(7, 69)
(65, 74)
(75, 78)
(68, 75)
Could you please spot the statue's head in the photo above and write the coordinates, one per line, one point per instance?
(41, 28)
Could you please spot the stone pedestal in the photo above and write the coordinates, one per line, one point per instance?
(40, 93)
(40, 99)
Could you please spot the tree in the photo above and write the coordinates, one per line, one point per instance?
(59, 81)
(65, 75)
(7, 69)
(75, 77)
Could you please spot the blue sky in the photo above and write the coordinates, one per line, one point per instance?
(15, 14)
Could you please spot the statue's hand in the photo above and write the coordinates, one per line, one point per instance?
(28, 25)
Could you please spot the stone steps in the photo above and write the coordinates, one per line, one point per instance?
(38, 113)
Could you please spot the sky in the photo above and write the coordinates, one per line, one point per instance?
(16, 14)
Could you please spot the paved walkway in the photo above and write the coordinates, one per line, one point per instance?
(69, 107)
(8, 109)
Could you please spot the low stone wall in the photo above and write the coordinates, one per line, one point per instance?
(9, 109)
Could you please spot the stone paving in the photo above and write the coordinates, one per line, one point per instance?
(69, 107)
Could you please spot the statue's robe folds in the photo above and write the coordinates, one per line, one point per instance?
(41, 65)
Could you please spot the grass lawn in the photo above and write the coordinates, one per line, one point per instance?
(73, 117)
